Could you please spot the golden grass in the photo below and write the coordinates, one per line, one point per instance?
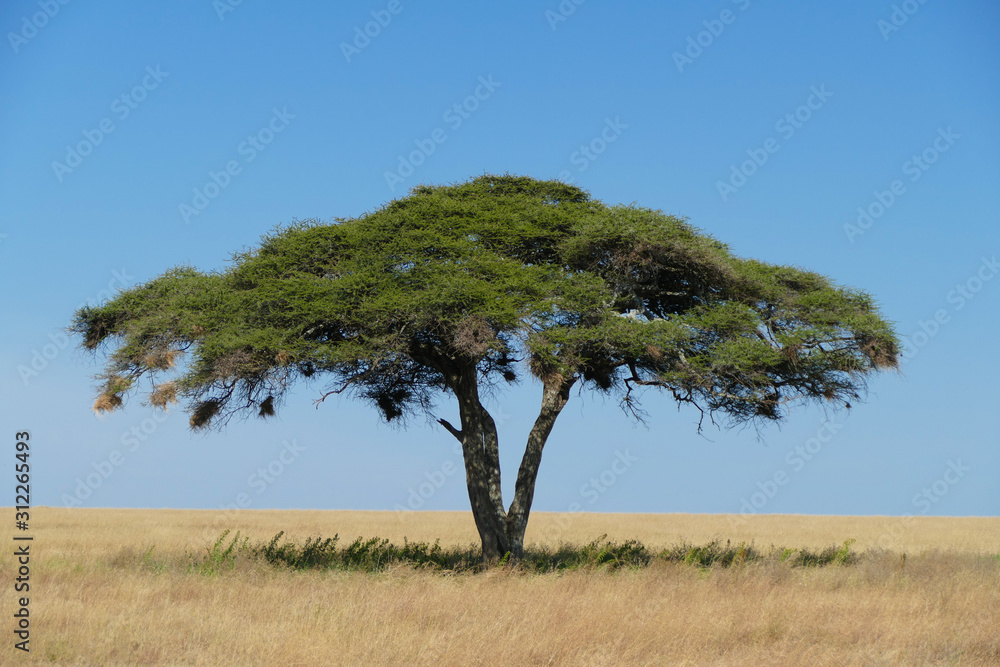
(96, 600)
(180, 529)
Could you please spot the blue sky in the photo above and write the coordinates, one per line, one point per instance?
(857, 139)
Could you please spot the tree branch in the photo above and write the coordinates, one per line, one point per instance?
(339, 390)
(451, 429)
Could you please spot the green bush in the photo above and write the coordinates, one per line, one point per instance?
(600, 552)
(376, 555)
(219, 557)
(841, 555)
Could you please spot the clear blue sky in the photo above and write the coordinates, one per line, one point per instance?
(769, 125)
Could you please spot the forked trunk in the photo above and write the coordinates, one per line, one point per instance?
(501, 532)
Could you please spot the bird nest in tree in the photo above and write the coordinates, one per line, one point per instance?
(474, 336)
(204, 412)
(107, 403)
(880, 354)
(267, 407)
(163, 395)
(161, 360)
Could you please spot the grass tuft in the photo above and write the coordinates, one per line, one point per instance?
(219, 557)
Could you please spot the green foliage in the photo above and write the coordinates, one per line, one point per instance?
(313, 553)
(841, 555)
(612, 555)
(370, 555)
(486, 273)
(219, 557)
(377, 555)
(714, 554)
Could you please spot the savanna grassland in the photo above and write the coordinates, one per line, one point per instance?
(131, 587)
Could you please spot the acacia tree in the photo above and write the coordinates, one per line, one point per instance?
(455, 290)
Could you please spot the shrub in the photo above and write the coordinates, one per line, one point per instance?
(218, 557)
(376, 555)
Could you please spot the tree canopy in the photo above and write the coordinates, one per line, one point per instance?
(459, 287)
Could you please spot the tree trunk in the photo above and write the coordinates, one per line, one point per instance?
(555, 394)
(481, 451)
(501, 532)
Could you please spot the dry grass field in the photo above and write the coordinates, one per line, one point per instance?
(96, 600)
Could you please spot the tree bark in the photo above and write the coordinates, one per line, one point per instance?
(555, 394)
(501, 532)
(480, 449)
